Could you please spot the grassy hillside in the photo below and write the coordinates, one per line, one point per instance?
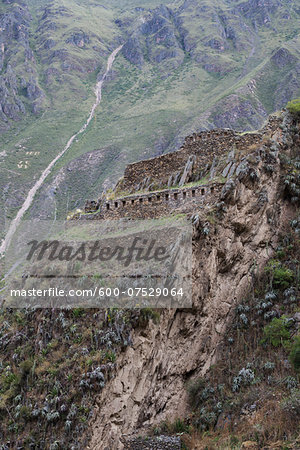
(185, 67)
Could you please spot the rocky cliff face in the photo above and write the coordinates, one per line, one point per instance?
(97, 379)
(156, 40)
(19, 78)
(150, 384)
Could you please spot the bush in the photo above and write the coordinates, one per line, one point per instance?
(24, 412)
(291, 404)
(26, 367)
(207, 419)
(295, 353)
(244, 378)
(281, 276)
(294, 107)
(77, 312)
(179, 426)
(269, 366)
(148, 314)
(290, 382)
(277, 333)
(195, 389)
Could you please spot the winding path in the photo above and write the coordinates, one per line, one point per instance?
(31, 194)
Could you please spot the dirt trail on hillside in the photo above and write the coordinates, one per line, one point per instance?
(31, 194)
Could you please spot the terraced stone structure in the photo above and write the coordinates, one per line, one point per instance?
(167, 170)
(176, 182)
(155, 204)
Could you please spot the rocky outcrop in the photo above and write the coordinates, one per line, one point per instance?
(283, 57)
(288, 87)
(133, 52)
(149, 386)
(238, 113)
(79, 38)
(19, 77)
(156, 40)
(259, 11)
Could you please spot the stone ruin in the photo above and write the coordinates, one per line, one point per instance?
(176, 182)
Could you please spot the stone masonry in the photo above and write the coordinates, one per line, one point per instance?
(170, 183)
(154, 204)
(205, 146)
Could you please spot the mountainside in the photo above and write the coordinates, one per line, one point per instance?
(186, 372)
(185, 66)
(181, 94)
(221, 374)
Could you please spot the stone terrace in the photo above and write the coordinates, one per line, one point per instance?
(154, 204)
(205, 146)
(142, 192)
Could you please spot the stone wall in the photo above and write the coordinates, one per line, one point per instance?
(200, 153)
(155, 204)
(205, 146)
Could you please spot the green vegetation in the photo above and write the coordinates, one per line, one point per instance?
(295, 353)
(294, 107)
(291, 404)
(148, 314)
(277, 333)
(178, 426)
(146, 110)
(77, 312)
(51, 386)
(280, 276)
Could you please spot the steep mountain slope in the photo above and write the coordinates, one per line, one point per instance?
(229, 261)
(186, 65)
(64, 64)
(99, 378)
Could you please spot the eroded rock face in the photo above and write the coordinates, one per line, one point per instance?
(149, 386)
(259, 11)
(283, 57)
(150, 383)
(79, 39)
(133, 52)
(156, 40)
(233, 110)
(15, 85)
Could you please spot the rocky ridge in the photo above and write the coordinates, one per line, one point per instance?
(149, 387)
(17, 87)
